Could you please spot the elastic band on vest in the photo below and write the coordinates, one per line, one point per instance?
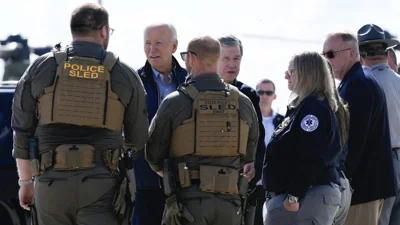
(105, 104)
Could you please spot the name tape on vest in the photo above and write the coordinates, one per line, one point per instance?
(215, 106)
(83, 71)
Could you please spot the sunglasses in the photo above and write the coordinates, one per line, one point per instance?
(331, 54)
(269, 93)
(184, 55)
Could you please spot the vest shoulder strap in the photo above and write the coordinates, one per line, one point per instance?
(110, 60)
(189, 90)
(60, 56)
(233, 91)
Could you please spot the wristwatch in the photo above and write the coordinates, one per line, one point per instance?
(292, 199)
(25, 182)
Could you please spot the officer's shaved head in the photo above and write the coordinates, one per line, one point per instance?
(206, 48)
(87, 18)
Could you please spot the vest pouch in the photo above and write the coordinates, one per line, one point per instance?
(74, 157)
(111, 160)
(217, 179)
(46, 161)
(182, 142)
(244, 136)
(184, 177)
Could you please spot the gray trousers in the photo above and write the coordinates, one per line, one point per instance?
(390, 214)
(318, 207)
(81, 197)
(210, 208)
(345, 202)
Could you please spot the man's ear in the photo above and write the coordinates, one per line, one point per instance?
(103, 31)
(175, 44)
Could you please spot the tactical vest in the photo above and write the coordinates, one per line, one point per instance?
(81, 94)
(215, 128)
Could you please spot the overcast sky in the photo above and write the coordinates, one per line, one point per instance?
(302, 24)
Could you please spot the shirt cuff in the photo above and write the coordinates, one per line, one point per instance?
(20, 153)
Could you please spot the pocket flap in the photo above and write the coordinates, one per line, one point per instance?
(332, 200)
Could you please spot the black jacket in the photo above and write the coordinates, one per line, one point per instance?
(255, 99)
(303, 150)
(368, 163)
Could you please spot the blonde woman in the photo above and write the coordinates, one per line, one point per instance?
(300, 170)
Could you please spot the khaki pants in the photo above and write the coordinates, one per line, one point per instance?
(364, 214)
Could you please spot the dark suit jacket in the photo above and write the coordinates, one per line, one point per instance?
(368, 163)
(255, 99)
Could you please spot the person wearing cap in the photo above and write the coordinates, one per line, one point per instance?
(392, 58)
(374, 49)
(367, 159)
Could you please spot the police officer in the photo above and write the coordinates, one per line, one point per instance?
(76, 101)
(374, 50)
(299, 171)
(201, 137)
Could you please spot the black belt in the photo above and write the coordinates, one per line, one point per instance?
(396, 148)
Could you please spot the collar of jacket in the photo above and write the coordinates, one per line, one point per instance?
(148, 72)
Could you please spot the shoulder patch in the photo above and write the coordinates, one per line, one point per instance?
(309, 123)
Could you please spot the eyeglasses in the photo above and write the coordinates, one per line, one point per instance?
(269, 93)
(111, 31)
(331, 54)
(184, 54)
(289, 72)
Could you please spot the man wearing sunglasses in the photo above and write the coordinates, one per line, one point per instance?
(270, 119)
(375, 48)
(366, 161)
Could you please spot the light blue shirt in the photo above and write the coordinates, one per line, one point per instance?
(163, 89)
(390, 82)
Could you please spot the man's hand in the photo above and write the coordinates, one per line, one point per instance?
(291, 207)
(248, 171)
(160, 173)
(26, 195)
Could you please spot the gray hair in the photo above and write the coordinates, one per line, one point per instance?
(231, 41)
(171, 28)
(349, 39)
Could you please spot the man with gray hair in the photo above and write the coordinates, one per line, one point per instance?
(374, 50)
(161, 75)
(228, 69)
(366, 160)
